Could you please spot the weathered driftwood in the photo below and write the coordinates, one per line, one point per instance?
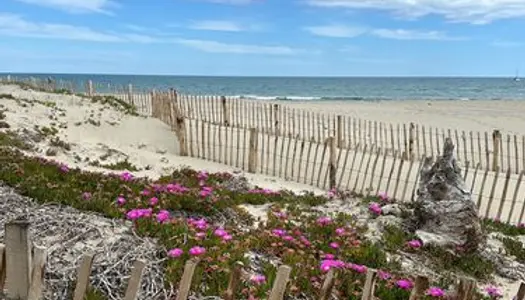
(445, 213)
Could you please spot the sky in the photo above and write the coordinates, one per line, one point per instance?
(264, 37)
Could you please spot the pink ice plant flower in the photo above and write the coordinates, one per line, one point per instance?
(206, 191)
(404, 284)
(334, 245)
(175, 252)
(197, 250)
(278, 232)
(175, 188)
(153, 201)
(227, 237)
(415, 244)
(340, 231)
(86, 196)
(220, 232)
(327, 264)
(435, 292)
(375, 208)
(331, 193)
(323, 221)
(138, 213)
(257, 279)
(383, 196)
(126, 176)
(358, 268)
(121, 200)
(163, 216)
(493, 292)
(384, 275)
(64, 168)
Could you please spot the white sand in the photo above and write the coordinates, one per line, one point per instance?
(145, 142)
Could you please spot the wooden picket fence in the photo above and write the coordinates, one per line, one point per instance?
(491, 150)
(365, 168)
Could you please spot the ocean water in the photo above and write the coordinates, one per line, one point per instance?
(312, 88)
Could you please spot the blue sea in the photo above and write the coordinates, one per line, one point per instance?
(312, 88)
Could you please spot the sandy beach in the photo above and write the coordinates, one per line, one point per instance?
(97, 133)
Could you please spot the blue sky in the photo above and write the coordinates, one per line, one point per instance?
(264, 37)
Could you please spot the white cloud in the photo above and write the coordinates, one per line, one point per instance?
(404, 34)
(344, 31)
(471, 11)
(17, 26)
(337, 31)
(231, 2)
(216, 25)
(507, 44)
(75, 6)
(218, 47)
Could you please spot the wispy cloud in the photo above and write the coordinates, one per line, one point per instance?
(468, 11)
(336, 31)
(76, 6)
(218, 25)
(17, 26)
(345, 31)
(231, 2)
(507, 44)
(219, 47)
(404, 34)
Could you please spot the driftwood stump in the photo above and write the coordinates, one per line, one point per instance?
(445, 214)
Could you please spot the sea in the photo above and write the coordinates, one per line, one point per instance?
(311, 88)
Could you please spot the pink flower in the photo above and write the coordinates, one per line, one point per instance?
(278, 232)
(493, 292)
(305, 241)
(200, 224)
(384, 275)
(334, 245)
(163, 216)
(175, 252)
(383, 196)
(359, 268)
(327, 264)
(202, 176)
(227, 238)
(258, 279)
(331, 193)
(86, 196)
(404, 284)
(414, 244)
(138, 213)
(196, 251)
(153, 201)
(329, 256)
(121, 201)
(435, 292)
(375, 208)
(340, 231)
(63, 168)
(145, 192)
(220, 232)
(200, 235)
(176, 189)
(126, 176)
(323, 221)
(206, 191)
(288, 238)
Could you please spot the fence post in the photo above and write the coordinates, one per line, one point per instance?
(225, 112)
(420, 286)
(18, 259)
(521, 292)
(339, 132)
(465, 289)
(134, 281)
(252, 154)
(130, 94)
(370, 283)
(328, 285)
(37, 276)
(185, 282)
(411, 140)
(279, 285)
(2, 267)
(496, 140)
(235, 279)
(276, 118)
(90, 88)
(332, 168)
